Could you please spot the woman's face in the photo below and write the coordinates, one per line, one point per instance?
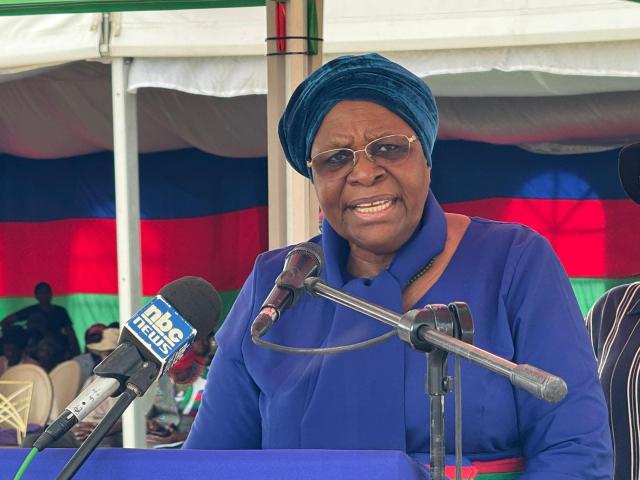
(375, 209)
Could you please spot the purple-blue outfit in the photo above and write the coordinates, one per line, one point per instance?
(523, 309)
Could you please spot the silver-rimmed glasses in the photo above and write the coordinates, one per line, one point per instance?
(339, 162)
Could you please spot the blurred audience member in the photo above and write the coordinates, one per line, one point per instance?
(81, 430)
(51, 320)
(14, 340)
(613, 324)
(88, 360)
(49, 353)
(175, 405)
(30, 354)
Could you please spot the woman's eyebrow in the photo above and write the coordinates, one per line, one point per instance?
(339, 141)
(376, 134)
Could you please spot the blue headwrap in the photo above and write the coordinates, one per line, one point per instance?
(355, 77)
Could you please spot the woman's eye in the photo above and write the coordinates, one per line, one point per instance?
(384, 148)
(339, 158)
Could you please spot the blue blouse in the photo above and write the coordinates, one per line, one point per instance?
(523, 310)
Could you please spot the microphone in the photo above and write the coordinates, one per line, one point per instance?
(158, 334)
(304, 260)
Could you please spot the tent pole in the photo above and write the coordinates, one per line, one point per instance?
(276, 163)
(293, 206)
(125, 155)
(302, 204)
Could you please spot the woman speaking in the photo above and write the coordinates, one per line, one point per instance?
(362, 129)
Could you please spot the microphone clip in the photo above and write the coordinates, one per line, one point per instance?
(121, 365)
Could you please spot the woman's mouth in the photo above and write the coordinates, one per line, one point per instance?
(373, 207)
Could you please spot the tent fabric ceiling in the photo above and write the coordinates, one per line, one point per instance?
(560, 124)
(28, 42)
(67, 111)
(354, 26)
(401, 25)
(566, 69)
(549, 74)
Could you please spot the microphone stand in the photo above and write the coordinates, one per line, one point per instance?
(439, 330)
(137, 384)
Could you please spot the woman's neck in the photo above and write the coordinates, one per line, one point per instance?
(364, 264)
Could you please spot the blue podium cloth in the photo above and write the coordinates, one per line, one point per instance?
(120, 463)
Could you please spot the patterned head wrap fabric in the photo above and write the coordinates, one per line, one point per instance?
(368, 77)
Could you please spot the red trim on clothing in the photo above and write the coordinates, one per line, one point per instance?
(504, 465)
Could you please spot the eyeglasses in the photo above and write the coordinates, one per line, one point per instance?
(339, 162)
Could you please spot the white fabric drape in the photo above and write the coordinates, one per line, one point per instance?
(67, 112)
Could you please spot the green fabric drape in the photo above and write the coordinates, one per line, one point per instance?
(39, 7)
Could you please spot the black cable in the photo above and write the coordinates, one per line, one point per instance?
(327, 350)
(101, 430)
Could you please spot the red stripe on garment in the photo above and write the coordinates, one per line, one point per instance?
(504, 465)
(79, 255)
(593, 238)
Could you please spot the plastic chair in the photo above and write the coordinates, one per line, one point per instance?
(15, 401)
(42, 397)
(65, 379)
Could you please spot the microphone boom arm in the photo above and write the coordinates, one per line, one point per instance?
(414, 328)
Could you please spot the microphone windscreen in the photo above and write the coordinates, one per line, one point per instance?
(196, 300)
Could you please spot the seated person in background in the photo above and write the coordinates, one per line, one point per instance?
(46, 351)
(81, 430)
(49, 318)
(34, 336)
(362, 129)
(88, 360)
(614, 325)
(14, 342)
(178, 396)
(49, 353)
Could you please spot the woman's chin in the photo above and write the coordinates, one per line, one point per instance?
(378, 241)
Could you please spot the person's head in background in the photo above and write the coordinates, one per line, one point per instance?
(203, 347)
(629, 170)
(93, 334)
(107, 343)
(43, 293)
(34, 336)
(49, 353)
(14, 339)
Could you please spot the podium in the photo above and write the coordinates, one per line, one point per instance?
(123, 463)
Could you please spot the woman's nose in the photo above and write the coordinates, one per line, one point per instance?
(365, 170)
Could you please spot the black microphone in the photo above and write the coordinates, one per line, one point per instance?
(159, 334)
(304, 260)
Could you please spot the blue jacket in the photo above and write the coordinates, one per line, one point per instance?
(523, 309)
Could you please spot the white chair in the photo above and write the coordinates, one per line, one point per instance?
(15, 401)
(65, 379)
(42, 397)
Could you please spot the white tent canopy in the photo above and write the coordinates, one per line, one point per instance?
(445, 26)
(507, 49)
(66, 111)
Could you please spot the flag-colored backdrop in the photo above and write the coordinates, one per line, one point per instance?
(206, 215)
(200, 215)
(575, 201)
